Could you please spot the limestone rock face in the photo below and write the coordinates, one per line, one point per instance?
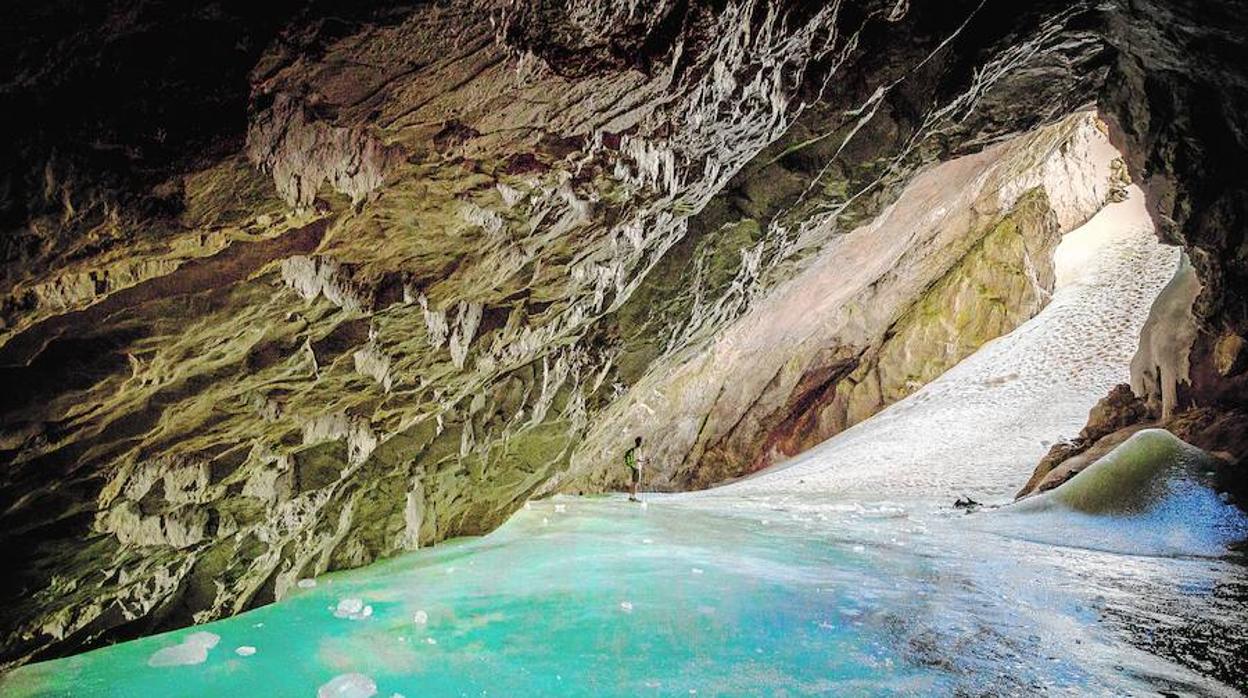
(291, 286)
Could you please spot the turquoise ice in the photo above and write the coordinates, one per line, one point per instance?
(609, 598)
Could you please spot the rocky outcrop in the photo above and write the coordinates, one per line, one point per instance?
(290, 287)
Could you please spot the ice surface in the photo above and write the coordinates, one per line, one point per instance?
(348, 686)
(857, 599)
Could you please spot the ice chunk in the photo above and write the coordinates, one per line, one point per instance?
(627, 606)
(696, 570)
(431, 641)
(306, 583)
(420, 618)
(192, 650)
(245, 651)
(352, 609)
(560, 508)
(348, 686)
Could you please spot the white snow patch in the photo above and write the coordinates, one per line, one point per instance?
(245, 651)
(306, 583)
(421, 618)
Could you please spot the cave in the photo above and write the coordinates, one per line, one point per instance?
(335, 334)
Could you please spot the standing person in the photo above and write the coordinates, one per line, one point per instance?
(633, 459)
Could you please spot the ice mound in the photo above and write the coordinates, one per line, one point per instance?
(1151, 495)
(352, 609)
(192, 650)
(348, 686)
(1137, 476)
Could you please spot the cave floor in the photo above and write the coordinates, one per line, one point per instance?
(601, 596)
